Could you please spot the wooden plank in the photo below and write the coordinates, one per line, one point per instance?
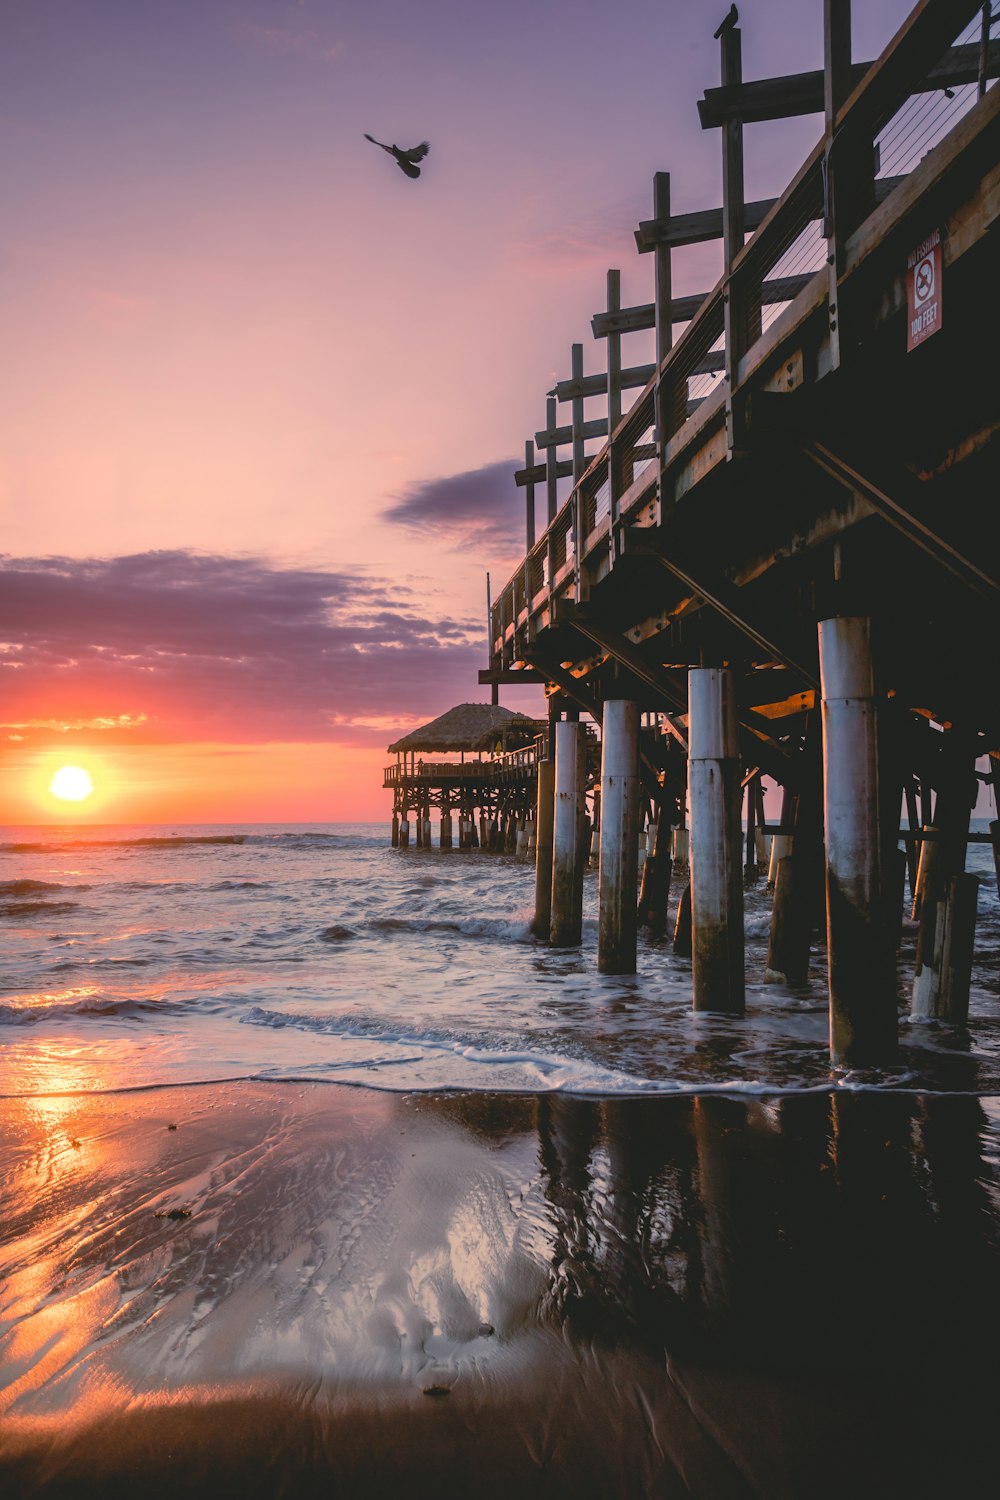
(696, 228)
(683, 309)
(632, 378)
(538, 472)
(802, 93)
(556, 437)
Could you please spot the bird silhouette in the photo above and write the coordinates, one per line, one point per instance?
(406, 161)
(729, 22)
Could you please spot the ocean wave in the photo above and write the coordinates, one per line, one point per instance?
(498, 929)
(337, 934)
(19, 909)
(172, 841)
(36, 1014)
(19, 888)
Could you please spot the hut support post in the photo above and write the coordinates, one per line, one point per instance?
(619, 838)
(446, 826)
(404, 829)
(566, 924)
(716, 842)
(395, 829)
(861, 978)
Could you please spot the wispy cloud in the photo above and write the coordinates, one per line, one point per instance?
(177, 647)
(480, 511)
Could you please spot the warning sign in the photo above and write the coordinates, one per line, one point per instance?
(923, 291)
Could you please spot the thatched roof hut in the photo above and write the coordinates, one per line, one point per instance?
(470, 726)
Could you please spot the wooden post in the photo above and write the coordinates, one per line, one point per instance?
(566, 927)
(619, 838)
(716, 875)
(842, 168)
(859, 954)
(614, 343)
(654, 895)
(579, 460)
(395, 829)
(551, 463)
(446, 827)
(664, 323)
(529, 497)
(733, 216)
(404, 830)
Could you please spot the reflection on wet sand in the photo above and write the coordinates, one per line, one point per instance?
(468, 1294)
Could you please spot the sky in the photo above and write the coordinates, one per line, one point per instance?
(262, 396)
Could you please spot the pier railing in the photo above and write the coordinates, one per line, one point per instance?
(794, 269)
(511, 766)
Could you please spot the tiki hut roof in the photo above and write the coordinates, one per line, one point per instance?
(469, 726)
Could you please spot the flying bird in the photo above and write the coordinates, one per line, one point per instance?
(406, 161)
(729, 22)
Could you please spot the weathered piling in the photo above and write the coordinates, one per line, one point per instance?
(861, 979)
(944, 971)
(395, 830)
(543, 848)
(566, 920)
(404, 830)
(619, 838)
(948, 897)
(446, 828)
(654, 892)
(716, 842)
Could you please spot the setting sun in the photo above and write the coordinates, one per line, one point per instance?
(71, 784)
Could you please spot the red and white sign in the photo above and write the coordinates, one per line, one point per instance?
(923, 291)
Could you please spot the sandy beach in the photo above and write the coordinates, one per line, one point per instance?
(299, 1289)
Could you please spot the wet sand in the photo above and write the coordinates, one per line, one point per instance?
(306, 1289)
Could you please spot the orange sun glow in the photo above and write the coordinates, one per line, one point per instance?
(71, 784)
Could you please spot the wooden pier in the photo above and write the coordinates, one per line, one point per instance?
(779, 560)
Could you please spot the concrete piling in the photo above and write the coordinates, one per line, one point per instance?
(859, 953)
(566, 927)
(716, 842)
(543, 848)
(619, 838)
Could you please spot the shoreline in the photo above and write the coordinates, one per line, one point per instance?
(460, 1292)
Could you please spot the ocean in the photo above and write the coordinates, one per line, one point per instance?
(137, 957)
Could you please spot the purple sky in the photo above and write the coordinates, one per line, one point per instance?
(232, 327)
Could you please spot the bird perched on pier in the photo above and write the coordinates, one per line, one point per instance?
(729, 22)
(406, 161)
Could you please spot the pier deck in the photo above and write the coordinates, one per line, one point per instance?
(800, 497)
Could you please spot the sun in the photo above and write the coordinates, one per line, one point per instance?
(71, 784)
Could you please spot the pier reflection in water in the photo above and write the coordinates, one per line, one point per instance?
(704, 1295)
(812, 1230)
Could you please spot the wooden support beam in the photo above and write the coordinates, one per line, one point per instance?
(721, 597)
(683, 309)
(802, 93)
(572, 686)
(905, 522)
